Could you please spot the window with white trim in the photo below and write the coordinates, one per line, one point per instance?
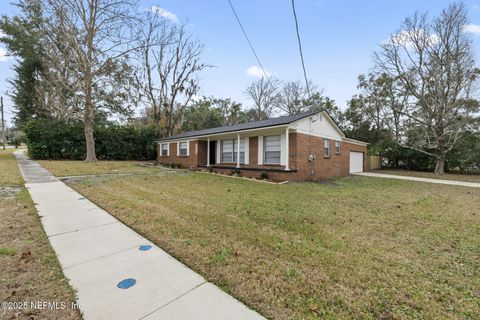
(271, 149)
(326, 148)
(183, 148)
(164, 149)
(337, 146)
(228, 150)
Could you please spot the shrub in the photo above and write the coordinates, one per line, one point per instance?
(235, 173)
(53, 139)
(263, 176)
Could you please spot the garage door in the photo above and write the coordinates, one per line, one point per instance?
(356, 162)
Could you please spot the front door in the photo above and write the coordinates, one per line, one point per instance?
(213, 151)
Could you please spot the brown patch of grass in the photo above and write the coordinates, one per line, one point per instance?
(431, 175)
(366, 249)
(29, 270)
(63, 168)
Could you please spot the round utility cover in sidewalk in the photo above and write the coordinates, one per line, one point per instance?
(126, 283)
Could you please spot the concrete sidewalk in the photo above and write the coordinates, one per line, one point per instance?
(438, 181)
(97, 252)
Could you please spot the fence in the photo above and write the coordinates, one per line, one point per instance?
(374, 162)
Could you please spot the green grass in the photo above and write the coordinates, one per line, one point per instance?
(9, 172)
(7, 251)
(361, 248)
(29, 268)
(62, 168)
(431, 175)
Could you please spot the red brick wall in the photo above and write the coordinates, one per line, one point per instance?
(190, 161)
(324, 167)
(253, 151)
(320, 168)
(202, 153)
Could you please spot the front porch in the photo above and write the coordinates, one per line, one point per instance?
(260, 150)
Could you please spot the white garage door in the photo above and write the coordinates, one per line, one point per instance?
(356, 162)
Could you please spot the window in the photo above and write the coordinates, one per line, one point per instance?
(326, 148)
(229, 150)
(271, 147)
(337, 146)
(164, 149)
(183, 148)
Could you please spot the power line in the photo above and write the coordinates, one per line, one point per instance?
(300, 47)
(246, 37)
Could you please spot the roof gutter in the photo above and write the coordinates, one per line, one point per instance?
(361, 143)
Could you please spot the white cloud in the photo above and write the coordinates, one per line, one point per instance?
(196, 98)
(3, 55)
(407, 39)
(472, 28)
(164, 13)
(257, 72)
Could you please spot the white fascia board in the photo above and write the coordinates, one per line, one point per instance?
(224, 133)
(360, 143)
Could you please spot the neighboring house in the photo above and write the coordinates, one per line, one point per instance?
(306, 146)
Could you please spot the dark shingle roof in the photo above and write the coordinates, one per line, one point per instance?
(244, 126)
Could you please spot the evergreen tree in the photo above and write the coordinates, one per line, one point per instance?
(22, 38)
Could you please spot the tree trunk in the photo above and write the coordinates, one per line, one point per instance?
(88, 124)
(440, 166)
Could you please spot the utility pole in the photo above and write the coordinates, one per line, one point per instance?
(3, 124)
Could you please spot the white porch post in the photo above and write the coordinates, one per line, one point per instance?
(238, 150)
(286, 150)
(208, 152)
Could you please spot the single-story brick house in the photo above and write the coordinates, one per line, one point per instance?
(306, 146)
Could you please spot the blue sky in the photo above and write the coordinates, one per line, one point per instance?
(338, 39)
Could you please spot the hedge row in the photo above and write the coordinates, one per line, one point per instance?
(47, 139)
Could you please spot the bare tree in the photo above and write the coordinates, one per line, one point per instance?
(171, 61)
(434, 62)
(100, 34)
(265, 96)
(294, 97)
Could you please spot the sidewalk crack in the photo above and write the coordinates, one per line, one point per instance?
(173, 300)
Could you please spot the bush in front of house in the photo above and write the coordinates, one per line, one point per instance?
(235, 173)
(54, 139)
(264, 176)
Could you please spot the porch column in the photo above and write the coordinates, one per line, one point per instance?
(208, 152)
(238, 150)
(287, 155)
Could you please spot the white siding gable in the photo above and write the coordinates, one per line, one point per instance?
(319, 125)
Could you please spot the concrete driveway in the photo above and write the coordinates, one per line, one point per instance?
(437, 181)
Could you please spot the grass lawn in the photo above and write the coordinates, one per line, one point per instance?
(9, 172)
(431, 175)
(361, 248)
(29, 268)
(62, 168)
